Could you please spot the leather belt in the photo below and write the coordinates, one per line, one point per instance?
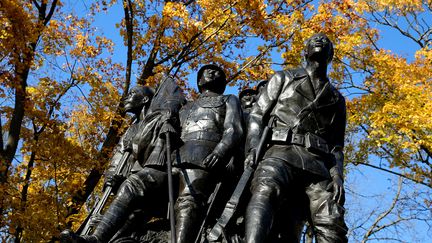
(310, 141)
(202, 135)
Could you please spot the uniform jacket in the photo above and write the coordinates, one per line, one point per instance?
(209, 124)
(289, 97)
(124, 145)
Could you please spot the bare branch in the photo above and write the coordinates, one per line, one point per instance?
(372, 229)
(50, 13)
(129, 17)
(36, 4)
(1, 137)
(393, 173)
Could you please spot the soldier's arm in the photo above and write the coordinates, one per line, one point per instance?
(339, 130)
(262, 108)
(336, 171)
(233, 130)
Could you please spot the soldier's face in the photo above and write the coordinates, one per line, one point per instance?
(247, 100)
(318, 48)
(209, 76)
(135, 100)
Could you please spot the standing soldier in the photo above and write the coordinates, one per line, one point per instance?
(210, 129)
(308, 117)
(247, 98)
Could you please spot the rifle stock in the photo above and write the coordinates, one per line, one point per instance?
(86, 227)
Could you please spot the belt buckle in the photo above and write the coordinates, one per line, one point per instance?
(281, 135)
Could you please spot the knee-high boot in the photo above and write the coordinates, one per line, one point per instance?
(113, 219)
(259, 218)
(187, 220)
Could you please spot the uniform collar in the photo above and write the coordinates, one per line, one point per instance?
(326, 96)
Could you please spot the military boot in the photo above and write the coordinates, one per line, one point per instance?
(67, 236)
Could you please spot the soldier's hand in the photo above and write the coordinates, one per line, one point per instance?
(250, 159)
(95, 220)
(166, 127)
(338, 190)
(211, 160)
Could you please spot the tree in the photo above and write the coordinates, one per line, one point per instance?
(61, 85)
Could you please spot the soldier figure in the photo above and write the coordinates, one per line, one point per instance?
(308, 117)
(148, 181)
(137, 103)
(247, 98)
(210, 130)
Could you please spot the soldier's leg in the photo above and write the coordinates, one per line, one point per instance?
(327, 216)
(195, 188)
(131, 192)
(271, 176)
(291, 217)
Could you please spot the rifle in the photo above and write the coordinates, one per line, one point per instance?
(86, 227)
(231, 207)
(203, 224)
(170, 189)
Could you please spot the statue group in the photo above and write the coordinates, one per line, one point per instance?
(254, 169)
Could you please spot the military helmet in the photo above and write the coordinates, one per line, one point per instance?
(247, 92)
(219, 86)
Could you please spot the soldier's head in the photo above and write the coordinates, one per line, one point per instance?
(261, 85)
(137, 98)
(319, 48)
(211, 77)
(247, 97)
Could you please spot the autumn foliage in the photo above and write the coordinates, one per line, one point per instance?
(61, 85)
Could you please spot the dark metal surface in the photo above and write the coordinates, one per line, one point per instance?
(170, 188)
(295, 127)
(306, 146)
(86, 227)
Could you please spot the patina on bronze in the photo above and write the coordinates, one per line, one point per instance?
(148, 147)
(210, 130)
(305, 148)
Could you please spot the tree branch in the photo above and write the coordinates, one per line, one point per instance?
(112, 138)
(129, 16)
(1, 136)
(394, 173)
(50, 13)
(384, 214)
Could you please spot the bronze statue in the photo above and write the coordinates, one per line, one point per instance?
(137, 102)
(210, 130)
(296, 130)
(307, 117)
(160, 117)
(122, 163)
(247, 98)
